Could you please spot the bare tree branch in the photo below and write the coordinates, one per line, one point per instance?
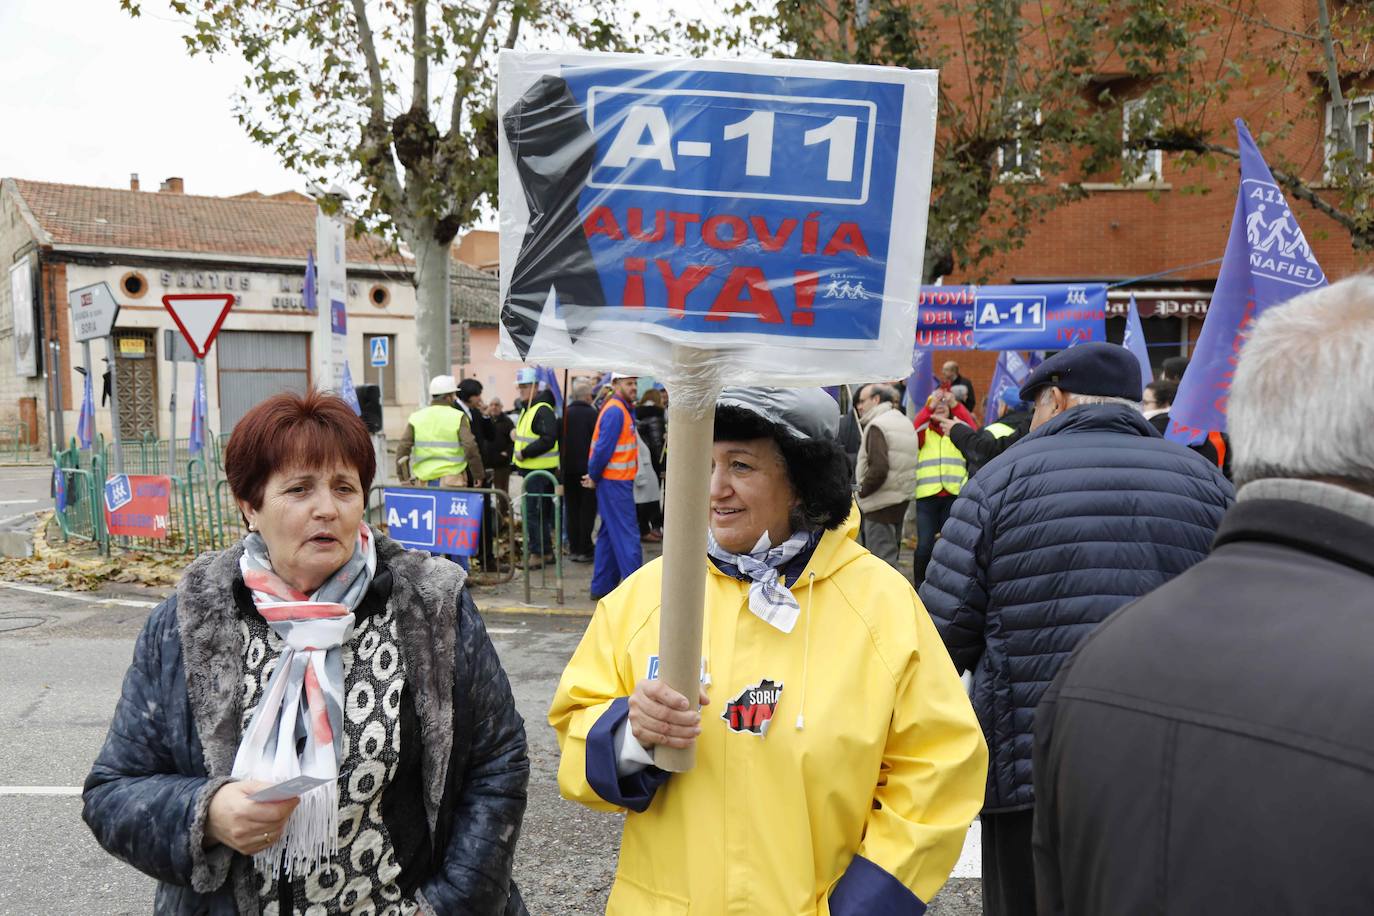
(379, 162)
(514, 31)
(377, 95)
(419, 94)
(463, 76)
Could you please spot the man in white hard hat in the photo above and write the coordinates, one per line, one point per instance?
(438, 446)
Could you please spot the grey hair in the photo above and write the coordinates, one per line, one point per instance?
(581, 389)
(959, 391)
(1085, 400)
(885, 392)
(1299, 404)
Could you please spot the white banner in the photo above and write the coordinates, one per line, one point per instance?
(25, 336)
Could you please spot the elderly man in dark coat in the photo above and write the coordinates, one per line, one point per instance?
(1091, 509)
(1210, 748)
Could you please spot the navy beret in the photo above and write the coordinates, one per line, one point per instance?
(1097, 368)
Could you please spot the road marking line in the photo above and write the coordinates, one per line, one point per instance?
(89, 599)
(40, 790)
(539, 611)
(18, 502)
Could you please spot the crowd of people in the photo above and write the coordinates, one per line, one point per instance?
(607, 446)
(1168, 707)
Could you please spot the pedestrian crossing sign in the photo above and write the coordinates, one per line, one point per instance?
(381, 352)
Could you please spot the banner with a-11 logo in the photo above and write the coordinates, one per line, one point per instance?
(751, 208)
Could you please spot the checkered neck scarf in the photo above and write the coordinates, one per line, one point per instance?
(770, 600)
(303, 697)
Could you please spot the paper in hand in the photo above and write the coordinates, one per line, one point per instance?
(292, 788)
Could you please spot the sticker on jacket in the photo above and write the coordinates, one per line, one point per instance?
(651, 670)
(752, 709)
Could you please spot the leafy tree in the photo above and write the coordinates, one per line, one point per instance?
(391, 96)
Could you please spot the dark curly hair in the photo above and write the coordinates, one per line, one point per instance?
(816, 468)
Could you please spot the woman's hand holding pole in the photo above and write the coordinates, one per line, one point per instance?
(659, 715)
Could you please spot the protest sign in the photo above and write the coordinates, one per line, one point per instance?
(137, 505)
(760, 222)
(440, 521)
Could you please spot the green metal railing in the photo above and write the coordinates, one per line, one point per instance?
(535, 507)
(15, 447)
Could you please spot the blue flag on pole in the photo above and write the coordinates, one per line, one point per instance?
(1135, 342)
(922, 381)
(349, 393)
(198, 411)
(1267, 262)
(309, 292)
(548, 381)
(85, 423)
(1011, 372)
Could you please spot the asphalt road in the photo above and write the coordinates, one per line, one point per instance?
(61, 663)
(24, 489)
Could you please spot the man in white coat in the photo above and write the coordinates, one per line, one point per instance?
(886, 470)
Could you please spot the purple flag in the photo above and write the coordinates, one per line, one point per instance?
(922, 381)
(85, 423)
(309, 293)
(1267, 262)
(1011, 372)
(548, 381)
(198, 412)
(349, 393)
(1135, 342)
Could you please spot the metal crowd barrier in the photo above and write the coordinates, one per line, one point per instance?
(537, 506)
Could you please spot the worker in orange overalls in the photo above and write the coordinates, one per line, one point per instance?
(611, 465)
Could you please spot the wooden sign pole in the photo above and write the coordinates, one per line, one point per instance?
(691, 425)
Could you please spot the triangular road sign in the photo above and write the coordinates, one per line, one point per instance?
(199, 316)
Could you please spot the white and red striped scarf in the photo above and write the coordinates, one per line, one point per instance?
(304, 696)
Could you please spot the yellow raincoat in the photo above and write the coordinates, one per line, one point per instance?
(870, 769)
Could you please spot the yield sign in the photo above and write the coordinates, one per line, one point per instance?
(199, 316)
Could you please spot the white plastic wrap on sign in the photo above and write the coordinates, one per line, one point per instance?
(750, 211)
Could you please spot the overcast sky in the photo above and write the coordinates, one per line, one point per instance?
(90, 95)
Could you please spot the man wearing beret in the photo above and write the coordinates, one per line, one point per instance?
(1090, 510)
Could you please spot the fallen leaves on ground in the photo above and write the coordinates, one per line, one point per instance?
(78, 566)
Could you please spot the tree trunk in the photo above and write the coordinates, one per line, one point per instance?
(432, 307)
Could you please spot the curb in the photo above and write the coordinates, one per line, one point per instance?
(531, 610)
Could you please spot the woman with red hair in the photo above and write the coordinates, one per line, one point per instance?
(316, 721)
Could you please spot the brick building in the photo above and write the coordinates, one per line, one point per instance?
(1180, 215)
(56, 237)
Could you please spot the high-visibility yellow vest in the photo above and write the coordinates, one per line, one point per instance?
(939, 466)
(438, 450)
(525, 437)
(624, 461)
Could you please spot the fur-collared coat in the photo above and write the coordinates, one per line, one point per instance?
(176, 730)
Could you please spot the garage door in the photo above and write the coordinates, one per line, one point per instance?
(254, 365)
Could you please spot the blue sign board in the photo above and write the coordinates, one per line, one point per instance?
(440, 521)
(118, 492)
(1021, 317)
(380, 352)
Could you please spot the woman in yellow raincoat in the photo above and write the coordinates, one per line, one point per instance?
(838, 760)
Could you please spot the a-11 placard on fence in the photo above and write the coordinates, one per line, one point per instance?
(748, 208)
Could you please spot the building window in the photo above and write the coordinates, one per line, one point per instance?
(1018, 159)
(1354, 112)
(1147, 163)
(384, 376)
(379, 296)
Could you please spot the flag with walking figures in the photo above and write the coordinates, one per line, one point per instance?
(1267, 262)
(199, 405)
(922, 380)
(1135, 342)
(309, 291)
(85, 423)
(1011, 372)
(548, 381)
(349, 393)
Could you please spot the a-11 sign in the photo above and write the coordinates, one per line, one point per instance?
(1019, 317)
(440, 521)
(94, 311)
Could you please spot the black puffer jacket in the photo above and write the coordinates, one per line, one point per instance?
(1209, 749)
(1087, 512)
(176, 729)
